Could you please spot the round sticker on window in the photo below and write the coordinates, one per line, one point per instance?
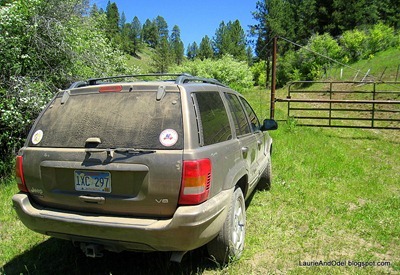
(37, 137)
(168, 137)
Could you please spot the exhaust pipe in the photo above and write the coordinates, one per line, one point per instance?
(92, 250)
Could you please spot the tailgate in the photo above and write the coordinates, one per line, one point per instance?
(142, 184)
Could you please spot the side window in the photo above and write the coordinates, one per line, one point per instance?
(255, 123)
(239, 116)
(214, 119)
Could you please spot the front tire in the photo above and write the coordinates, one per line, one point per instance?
(229, 243)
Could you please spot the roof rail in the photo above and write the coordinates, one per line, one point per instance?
(93, 81)
(185, 78)
(178, 78)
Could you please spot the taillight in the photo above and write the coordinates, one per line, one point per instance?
(19, 174)
(110, 89)
(196, 180)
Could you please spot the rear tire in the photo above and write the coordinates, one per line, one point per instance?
(266, 177)
(229, 243)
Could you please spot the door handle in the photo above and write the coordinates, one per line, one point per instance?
(259, 143)
(245, 150)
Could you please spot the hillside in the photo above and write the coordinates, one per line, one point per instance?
(142, 60)
(382, 66)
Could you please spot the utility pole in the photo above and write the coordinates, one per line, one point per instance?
(273, 81)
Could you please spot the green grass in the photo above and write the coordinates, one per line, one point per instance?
(383, 64)
(142, 60)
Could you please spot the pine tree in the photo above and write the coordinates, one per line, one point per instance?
(150, 33)
(230, 39)
(162, 56)
(135, 35)
(205, 49)
(162, 27)
(192, 51)
(122, 21)
(177, 45)
(112, 20)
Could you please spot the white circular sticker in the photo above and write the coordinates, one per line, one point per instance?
(168, 137)
(37, 137)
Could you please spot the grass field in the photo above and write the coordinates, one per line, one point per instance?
(334, 201)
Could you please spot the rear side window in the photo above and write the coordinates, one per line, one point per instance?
(214, 119)
(129, 120)
(238, 114)
(255, 123)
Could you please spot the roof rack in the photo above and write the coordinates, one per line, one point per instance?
(185, 78)
(93, 81)
(179, 79)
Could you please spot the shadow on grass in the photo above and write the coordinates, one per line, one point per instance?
(56, 256)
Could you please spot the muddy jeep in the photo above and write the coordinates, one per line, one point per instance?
(143, 165)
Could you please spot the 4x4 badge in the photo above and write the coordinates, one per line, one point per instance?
(168, 137)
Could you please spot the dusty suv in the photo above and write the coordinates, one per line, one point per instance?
(161, 165)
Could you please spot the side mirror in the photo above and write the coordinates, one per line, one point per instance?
(269, 124)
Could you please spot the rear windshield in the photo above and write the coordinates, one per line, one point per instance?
(126, 119)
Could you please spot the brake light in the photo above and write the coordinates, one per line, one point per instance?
(19, 174)
(110, 89)
(196, 181)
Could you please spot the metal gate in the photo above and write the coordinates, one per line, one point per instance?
(344, 104)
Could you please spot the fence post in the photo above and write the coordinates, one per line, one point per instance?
(358, 71)
(330, 103)
(373, 105)
(273, 82)
(365, 76)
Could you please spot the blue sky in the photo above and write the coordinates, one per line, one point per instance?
(194, 18)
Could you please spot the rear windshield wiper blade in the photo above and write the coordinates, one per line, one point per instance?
(111, 151)
(133, 151)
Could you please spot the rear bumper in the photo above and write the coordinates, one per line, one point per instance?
(189, 228)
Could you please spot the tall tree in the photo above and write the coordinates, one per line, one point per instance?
(135, 35)
(205, 50)
(162, 27)
(150, 33)
(230, 39)
(304, 13)
(221, 40)
(122, 21)
(192, 51)
(162, 56)
(112, 20)
(177, 46)
(238, 41)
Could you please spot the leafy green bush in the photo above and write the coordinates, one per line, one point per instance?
(259, 73)
(286, 68)
(312, 59)
(227, 70)
(45, 45)
(19, 107)
(353, 45)
(380, 37)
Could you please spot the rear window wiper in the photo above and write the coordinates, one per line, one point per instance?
(111, 151)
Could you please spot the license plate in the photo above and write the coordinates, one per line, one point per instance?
(94, 181)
